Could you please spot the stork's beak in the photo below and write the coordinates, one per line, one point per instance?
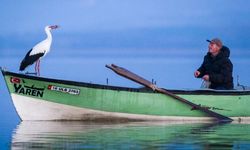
(54, 27)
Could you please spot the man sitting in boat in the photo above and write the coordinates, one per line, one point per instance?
(216, 68)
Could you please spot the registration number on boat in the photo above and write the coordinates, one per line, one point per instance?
(64, 89)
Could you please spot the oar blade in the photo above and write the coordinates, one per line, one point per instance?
(129, 75)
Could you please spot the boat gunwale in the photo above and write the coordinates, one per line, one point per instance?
(129, 89)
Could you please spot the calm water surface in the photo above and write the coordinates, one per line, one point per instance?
(140, 135)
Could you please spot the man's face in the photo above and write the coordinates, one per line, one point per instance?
(213, 48)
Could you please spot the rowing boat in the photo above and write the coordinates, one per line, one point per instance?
(39, 98)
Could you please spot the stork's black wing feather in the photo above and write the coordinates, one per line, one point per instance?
(29, 60)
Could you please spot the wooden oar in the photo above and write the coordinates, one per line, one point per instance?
(129, 75)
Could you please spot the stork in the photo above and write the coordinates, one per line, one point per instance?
(38, 51)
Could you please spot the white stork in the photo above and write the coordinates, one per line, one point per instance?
(38, 51)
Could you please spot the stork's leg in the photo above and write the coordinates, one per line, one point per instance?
(38, 71)
(36, 65)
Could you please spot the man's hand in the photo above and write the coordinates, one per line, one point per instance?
(197, 73)
(205, 77)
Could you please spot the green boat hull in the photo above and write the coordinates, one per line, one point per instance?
(37, 98)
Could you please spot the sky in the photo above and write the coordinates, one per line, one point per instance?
(144, 35)
(111, 23)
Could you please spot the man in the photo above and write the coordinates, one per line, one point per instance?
(216, 67)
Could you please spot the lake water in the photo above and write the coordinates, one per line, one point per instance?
(140, 135)
(170, 68)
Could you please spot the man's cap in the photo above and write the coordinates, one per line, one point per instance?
(216, 41)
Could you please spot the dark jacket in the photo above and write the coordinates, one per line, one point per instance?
(219, 69)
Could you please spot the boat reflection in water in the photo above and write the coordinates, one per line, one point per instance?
(140, 135)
